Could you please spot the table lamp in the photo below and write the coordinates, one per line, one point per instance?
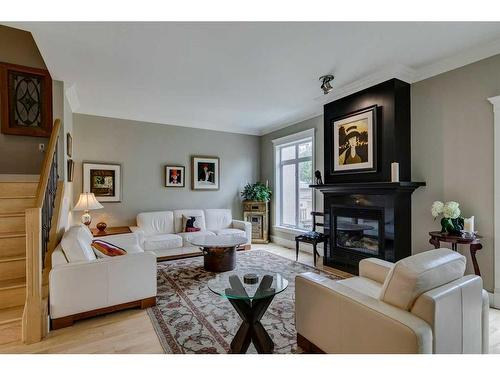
(87, 202)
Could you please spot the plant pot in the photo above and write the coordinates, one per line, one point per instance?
(452, 226)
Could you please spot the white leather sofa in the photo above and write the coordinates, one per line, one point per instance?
(82, 285)
(161, 232)
(421, 304)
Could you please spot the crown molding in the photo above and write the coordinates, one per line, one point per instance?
(72, 96)
(457, 60)
(495, 100)
(307, 115)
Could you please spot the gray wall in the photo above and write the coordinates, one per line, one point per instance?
(144, 149)
(267, 157)
(452, 150)
(19, 154)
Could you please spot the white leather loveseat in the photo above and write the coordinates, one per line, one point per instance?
(421, 304)
(162, 232)
(82, 285)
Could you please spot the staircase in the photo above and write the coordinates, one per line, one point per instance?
(15, 198)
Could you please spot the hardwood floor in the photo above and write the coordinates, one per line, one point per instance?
(131, 331)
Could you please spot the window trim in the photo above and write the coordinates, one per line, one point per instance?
(278, 143)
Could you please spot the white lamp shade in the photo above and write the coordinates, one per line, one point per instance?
(87, 201)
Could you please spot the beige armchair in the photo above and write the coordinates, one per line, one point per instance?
(421, 304)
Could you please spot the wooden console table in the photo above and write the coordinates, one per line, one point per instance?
(473, 242)
(110, 231)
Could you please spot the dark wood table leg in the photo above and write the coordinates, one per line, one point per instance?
(296, 250)
(473, 248)
(434, 242)
(251, 312)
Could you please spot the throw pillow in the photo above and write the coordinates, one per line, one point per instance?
(191, 223)
(105, 249)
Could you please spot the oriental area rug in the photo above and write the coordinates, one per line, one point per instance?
(189, 318)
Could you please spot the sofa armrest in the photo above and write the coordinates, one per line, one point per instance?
(85, 286)
(338, 319)
(140, 233)
(246, 226)
(375, 269)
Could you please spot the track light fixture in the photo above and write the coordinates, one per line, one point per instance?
(325, 83)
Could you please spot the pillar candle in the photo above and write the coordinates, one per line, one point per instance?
(395, 172)
(469, 225)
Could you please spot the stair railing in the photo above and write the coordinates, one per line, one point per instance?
(38, 225)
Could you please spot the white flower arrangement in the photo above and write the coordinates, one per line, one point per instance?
(449, 210)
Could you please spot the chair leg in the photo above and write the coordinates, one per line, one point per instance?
(314, 253)
(296, 250)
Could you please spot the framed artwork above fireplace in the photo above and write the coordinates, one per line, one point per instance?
(354, 143)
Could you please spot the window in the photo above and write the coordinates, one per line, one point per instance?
(293, 175)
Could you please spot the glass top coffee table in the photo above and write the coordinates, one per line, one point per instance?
(250, 292)
(219, 252)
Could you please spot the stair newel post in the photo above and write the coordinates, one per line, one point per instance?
(32, 316)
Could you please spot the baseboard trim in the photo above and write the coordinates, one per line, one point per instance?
(306, 247)
(495, 299)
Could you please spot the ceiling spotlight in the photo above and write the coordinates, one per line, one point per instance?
(325, 83)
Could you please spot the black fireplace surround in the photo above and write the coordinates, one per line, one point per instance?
(366, 215)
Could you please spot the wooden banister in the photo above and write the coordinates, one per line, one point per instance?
(35, 314)
(47, 164)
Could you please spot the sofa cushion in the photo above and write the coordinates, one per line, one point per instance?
(187, 236)
(178, 214)
(231, 231)
(158, 222)
(191, 223)
(415, 275)
(103, 249)
(218, 219)
(162, 242)
(363, 285)
(76, 244)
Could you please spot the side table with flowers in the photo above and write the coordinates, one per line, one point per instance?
(452, 230)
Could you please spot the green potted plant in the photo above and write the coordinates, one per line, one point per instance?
(257, 192)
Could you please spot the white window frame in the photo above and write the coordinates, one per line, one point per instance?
(278, 144)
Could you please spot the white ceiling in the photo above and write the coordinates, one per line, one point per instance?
(243, 77)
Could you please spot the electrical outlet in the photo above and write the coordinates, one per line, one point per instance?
(41, 147)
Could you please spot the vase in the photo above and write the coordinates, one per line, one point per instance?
(452, 226)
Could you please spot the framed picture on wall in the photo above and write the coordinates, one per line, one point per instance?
(26, 100)
(104, 180)
(71, 170)
(355, 142)
(205, 172)
(175, 176)
(69, 145)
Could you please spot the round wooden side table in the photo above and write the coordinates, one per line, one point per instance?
(473, 242)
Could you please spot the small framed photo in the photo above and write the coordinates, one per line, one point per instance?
(205, 172)
(175, 176)
(71, 170)
(69, 145)
(104, 180)
(355, 142)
